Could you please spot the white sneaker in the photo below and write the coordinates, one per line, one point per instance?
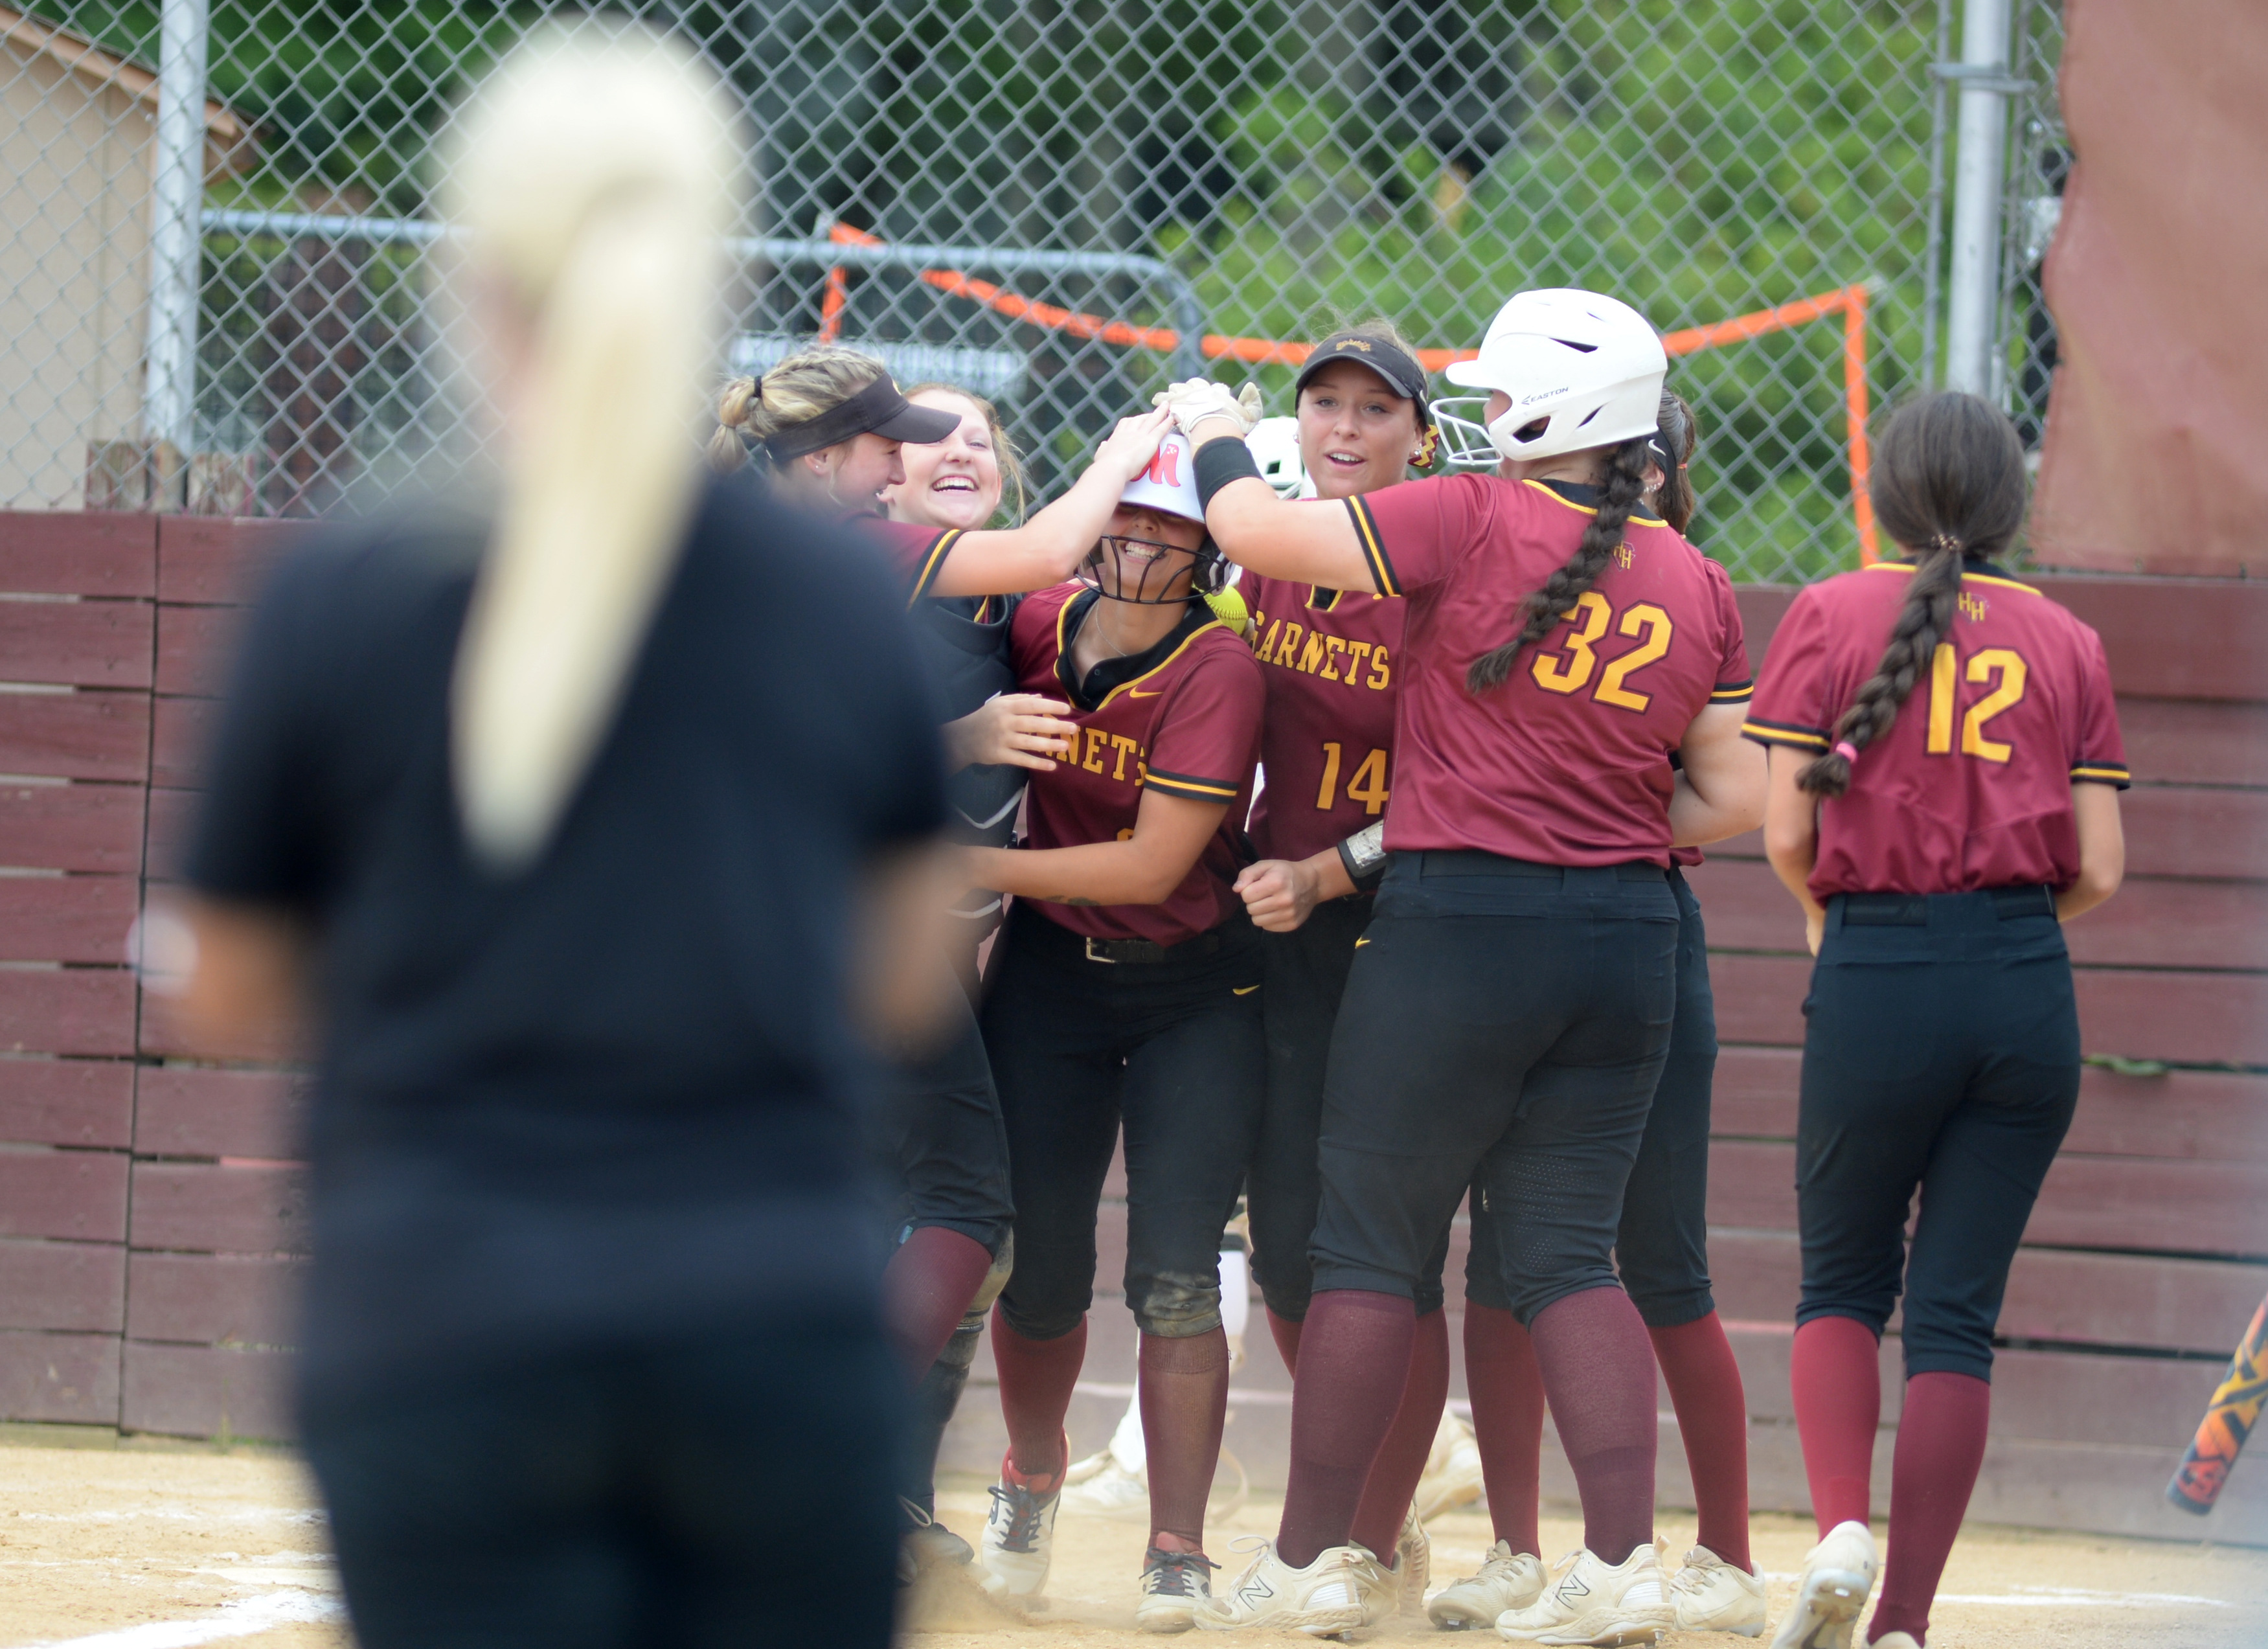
(1452, 1471)
(1342, 1589)
(1111, 1492)
(1174, 1583)
(1709, 1594)
(1837, 1578)
(1507, 1580)
(1019, 1540)
(1587, 1601)
(1413, 1565)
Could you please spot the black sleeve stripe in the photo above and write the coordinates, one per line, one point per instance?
(934, 564)
(1374, 547)
(1732, 692)
(2111, 773)
(1191, 788)
(1777, 733)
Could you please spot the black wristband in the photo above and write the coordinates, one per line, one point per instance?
(1365, 858)
(1220, 462)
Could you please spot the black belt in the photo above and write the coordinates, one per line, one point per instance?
(1150, 951)
(1474, 862)
(1911, 911)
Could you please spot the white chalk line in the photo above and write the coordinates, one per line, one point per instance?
(240, 1619)
(2066, 1597)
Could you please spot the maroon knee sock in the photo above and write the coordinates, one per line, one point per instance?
(1036, 1377)
(1508, 1393)
(1835, 1374)
(1349, 1384)
(1184, 1402)
(1285, 1332)
(1712, 1416)
(927, 1288)
(1941, 1446)
(1392, 1481)
(1598, 1376)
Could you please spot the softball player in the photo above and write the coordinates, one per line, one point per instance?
(1125, 988)
(1934, 847)
(1661, 1252)
(1507, 1014)
(1327, 749)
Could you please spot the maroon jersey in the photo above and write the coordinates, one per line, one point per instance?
(917, 552)
(1184, 718)
(1568, 761)
(1971, 786)
(1327, 747)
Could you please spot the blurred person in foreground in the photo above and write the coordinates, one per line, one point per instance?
(585, 872)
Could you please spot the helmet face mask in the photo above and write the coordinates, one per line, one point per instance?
(1145, 572)
(1588, 368)
(1466, 443)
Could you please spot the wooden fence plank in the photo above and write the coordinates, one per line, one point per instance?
(76, 1286)
(72, 826)
(67, 1010)
(210, 1208)
(213, 1298)
(195, 647)
(205, 1391)
(86, 643)
(78, 1195)
(96, 735)
(181, 731)
(2222, 627)
(67, 918)
(62, 1379)
(172, 819)
(209, 559)
(2178, 741)
(1760, 999)
(182, 1111)
(59, 552)
(2182, 1017)
(2183, 830)
(67, 1101)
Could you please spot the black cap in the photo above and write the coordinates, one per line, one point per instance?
(880, 408)
(1395, 367)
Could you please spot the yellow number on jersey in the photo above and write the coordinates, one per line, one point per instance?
(1368, 784)
(2005, 667)
(1573, 672)
(1655, 623)
(1329, 791)
(1570, 672)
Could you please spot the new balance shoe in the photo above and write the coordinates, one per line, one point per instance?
(1507, 1580)
(1709, 1594)
(1452, 1471)
(1342, 1589)
(1413, 1565)
(1019, 1538)
(1587, 1601)
(1832, 1589)
(1173, 1583)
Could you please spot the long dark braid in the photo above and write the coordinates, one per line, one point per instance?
(1948, 480)
(1620, 488)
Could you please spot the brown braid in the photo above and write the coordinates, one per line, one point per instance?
(1624, 486)
(1948, 480)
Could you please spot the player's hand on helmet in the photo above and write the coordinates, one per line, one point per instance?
(1278, 893)
(1010, 730)
(1126, 452)
(1193, 400)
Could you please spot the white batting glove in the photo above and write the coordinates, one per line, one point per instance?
(1194, 399)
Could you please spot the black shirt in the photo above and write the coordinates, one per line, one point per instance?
(614, 1093)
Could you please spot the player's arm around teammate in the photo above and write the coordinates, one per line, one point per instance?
(1509, 1012)
(1125, 990)
(1945, 763)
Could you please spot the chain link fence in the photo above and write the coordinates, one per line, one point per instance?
(1058, 202)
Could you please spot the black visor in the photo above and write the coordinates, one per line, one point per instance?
(1398, 371)
(880, 408)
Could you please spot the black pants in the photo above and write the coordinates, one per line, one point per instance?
(643, 1494)
(947, 1143)
(1662, 1249)
(1172, 1049)
(1942, 1053)
(1307, 972)
(1505, 1024)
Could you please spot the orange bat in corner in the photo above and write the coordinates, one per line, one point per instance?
(2229, 1420)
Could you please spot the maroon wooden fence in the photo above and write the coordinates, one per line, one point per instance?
(151, 1218)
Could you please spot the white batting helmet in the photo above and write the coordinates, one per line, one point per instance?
(1169, 486)
(1275, 444)
(1585, 367)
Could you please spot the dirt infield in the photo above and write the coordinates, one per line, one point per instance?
(230, 1546)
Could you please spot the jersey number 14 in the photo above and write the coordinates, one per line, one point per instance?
(1367, 786)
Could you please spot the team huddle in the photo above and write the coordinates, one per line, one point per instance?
(1339, 818)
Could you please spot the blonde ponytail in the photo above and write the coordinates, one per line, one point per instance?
(595, 174)
(813, 380)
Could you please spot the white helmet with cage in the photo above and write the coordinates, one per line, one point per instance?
(1169, 486)
(1275, 444)
(1586, 368)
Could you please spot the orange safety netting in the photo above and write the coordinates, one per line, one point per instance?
(1849, 302)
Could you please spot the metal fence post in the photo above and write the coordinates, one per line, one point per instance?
(1974, 289)
(176, 243)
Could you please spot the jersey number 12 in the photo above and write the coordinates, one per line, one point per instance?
(2001, 665)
